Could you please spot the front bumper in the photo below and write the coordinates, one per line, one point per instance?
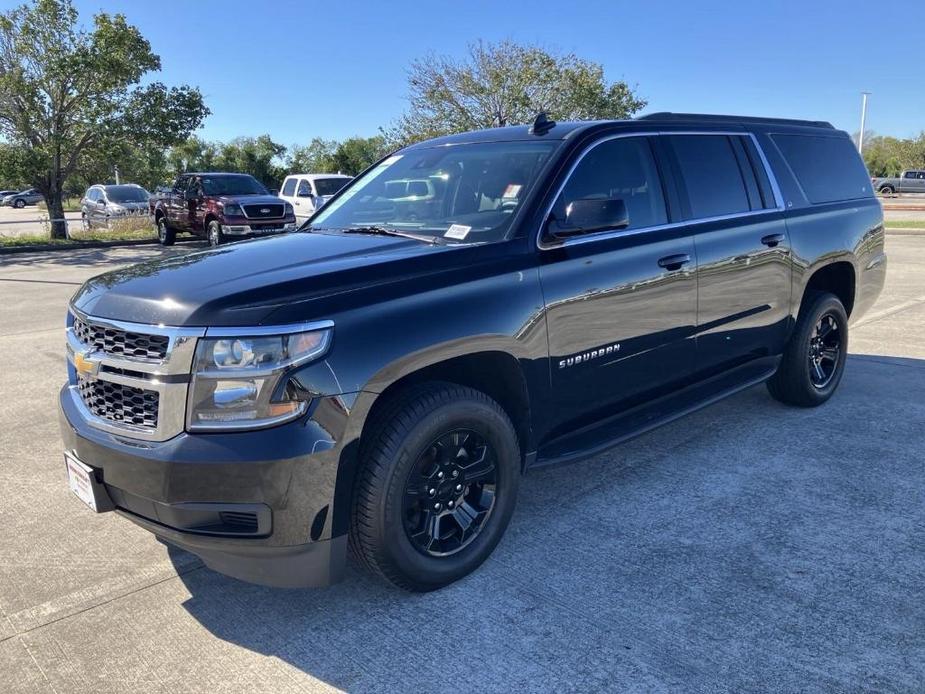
(256, 505)
(242, 226)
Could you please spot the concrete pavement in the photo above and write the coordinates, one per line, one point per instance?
(747, 547)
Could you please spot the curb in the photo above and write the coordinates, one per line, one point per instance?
(902, 231)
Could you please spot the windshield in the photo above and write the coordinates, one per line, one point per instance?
(232, 185)
(461, 192)
(127, 194)
(329, 186)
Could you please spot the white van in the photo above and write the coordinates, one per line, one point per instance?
(307, 192)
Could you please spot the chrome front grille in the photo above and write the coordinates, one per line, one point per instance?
(120, 403)
(121, 343)
(128, 378)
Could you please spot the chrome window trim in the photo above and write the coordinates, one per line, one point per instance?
(616, 233)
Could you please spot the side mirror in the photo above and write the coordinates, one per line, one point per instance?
(590, 215)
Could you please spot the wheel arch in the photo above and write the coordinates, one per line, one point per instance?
(838, 277)
(496, 373)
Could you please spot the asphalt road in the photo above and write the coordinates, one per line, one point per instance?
(746, 547)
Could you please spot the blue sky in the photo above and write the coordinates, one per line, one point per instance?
(297, 69)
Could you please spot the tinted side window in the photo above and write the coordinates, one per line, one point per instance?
(909, 174)
(827, 168)
(289, 187)
(623, 168)
(711, 175)
(305, 188)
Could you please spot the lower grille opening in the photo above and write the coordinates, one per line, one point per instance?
(238, 521)
(118, 403)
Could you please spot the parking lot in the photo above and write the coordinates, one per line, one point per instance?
(749, 546)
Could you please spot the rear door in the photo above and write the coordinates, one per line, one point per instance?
(621, 305)
(919, 182)
(743, 252)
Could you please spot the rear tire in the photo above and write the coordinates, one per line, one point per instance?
(814, 359)
(436, 487)
(887, 191)
(165, 235)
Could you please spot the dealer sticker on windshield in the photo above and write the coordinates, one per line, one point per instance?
(457, 231)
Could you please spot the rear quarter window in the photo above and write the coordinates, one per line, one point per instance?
(828, 169)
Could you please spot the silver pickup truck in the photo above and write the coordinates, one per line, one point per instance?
(909, 181)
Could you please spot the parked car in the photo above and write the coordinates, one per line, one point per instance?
(5, 193)
(909, 181)
(383, 381)
(19, 200)
(103, 204)
(219, 206)
(308, 192)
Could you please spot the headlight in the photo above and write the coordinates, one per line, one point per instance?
(289, 209)
(238, 379)
(233, 208)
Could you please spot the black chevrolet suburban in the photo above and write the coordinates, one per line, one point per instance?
(383, 377)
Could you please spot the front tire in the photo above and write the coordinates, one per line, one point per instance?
(165, 235)
(216, 237)
(814, 359)
(19, 204)
(436, 488)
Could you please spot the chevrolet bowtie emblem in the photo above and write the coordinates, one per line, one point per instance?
(85, 365)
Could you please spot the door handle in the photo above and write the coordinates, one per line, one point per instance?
(771, 240)
(674, 262)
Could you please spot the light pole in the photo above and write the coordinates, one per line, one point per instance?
(864, 96)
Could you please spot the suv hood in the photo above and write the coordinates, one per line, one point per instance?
(244, 283)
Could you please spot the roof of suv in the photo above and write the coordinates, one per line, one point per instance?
(562, 131)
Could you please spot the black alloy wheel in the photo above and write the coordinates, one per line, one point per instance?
(450, 493)
(824, 351)
(813, 361)
(437, 485)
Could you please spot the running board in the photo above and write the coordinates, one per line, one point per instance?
(595, 439)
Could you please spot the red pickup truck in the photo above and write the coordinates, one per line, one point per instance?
(219, 206)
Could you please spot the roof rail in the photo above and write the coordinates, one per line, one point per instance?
(667, 115)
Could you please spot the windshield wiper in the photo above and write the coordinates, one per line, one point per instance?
(388, 231)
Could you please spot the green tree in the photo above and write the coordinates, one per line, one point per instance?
(888, 156)
(68, 93)
(355, 154)
(257, 156)
(505, 83)
(315, 157)
(193, 154)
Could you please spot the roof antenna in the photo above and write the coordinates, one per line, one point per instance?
(542, 124)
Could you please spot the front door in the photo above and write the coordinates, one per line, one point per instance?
(743, 251)
(621, 305)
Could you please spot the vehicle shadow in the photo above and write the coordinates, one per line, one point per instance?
(746, 546)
